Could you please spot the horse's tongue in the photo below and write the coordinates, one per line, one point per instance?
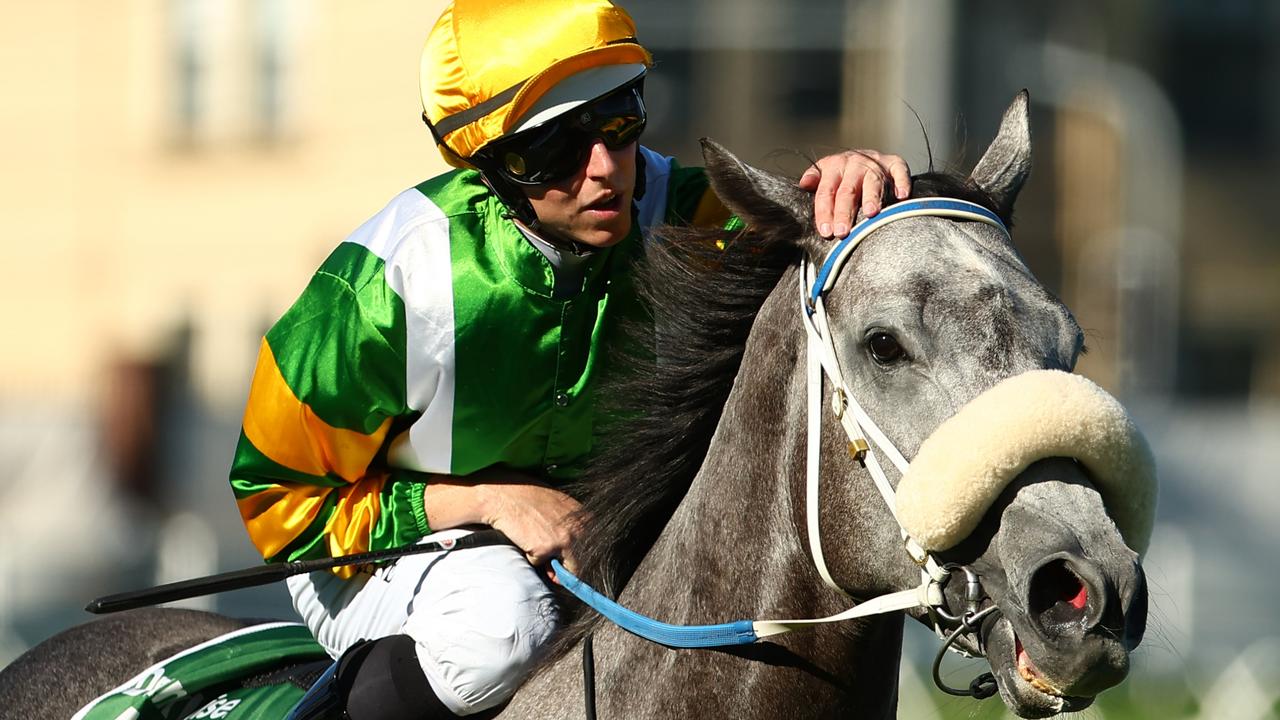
(1030, 672)
(1025, 666)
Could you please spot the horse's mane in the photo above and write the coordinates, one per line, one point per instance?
(703, 288)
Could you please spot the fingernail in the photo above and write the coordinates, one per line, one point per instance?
(901, 193)
(842, 230)
(825, 229)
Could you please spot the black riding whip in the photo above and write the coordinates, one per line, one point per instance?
(265, 574)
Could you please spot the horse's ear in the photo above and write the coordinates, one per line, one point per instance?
(759, 198)
(1005, 165)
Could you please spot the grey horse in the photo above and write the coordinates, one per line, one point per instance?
(697, 510)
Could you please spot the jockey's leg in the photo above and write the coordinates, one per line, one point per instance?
(477, 619)
(373, 680)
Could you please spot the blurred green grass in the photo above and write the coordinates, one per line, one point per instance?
(1170, 700)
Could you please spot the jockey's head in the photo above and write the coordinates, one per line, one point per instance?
(544, 98)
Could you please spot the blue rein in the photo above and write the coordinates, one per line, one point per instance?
(738, 632)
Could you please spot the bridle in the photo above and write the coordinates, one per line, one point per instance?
(824, 364)
(862, 433)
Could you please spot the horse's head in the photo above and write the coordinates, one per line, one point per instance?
(1033, 480)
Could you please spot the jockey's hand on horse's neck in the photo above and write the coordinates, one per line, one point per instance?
(540, 520)
(842, 181)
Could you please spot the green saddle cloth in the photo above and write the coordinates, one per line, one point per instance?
(237, 675)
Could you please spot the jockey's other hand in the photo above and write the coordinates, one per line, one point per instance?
(540, 520)
(842, 181)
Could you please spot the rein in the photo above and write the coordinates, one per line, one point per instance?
(859, 428)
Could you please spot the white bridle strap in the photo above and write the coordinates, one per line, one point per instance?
(812, 456)
(857, 424)
(902, 600)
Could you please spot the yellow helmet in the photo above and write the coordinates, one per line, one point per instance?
(489, 66)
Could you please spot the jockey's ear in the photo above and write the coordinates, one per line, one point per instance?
(1005, 165)
(759, 198)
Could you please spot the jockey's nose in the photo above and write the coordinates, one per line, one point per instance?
(600, 160)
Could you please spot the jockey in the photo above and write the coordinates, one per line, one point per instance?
(438, 372)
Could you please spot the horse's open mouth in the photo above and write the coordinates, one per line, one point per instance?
(1027, 671)
(1024, 688)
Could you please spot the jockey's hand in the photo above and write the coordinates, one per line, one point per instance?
(842, 181)
(540, 520)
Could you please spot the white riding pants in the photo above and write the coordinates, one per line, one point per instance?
(478, 616)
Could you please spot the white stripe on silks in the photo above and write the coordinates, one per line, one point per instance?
(411, 235)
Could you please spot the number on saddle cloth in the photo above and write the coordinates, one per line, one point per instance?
(256, 672)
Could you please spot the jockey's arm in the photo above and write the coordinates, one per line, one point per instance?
(537, 518)
(309, 475)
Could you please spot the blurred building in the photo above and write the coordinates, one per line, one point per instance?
(185, 163)
(1156, 125)
(175, 169)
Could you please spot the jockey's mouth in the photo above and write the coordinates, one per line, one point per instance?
(610, 202)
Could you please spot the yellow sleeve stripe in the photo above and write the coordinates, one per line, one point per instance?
(352, 522)
(288, 431)
(278, 514)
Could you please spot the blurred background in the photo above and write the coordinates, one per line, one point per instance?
(173, 171)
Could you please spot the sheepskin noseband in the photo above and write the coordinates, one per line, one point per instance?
(963, 466)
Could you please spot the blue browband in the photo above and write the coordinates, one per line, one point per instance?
(930, 207)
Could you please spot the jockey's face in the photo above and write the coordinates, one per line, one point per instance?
(592, 206)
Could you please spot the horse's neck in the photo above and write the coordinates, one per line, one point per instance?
(735, 548)
(737, 525)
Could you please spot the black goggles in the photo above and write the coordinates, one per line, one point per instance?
(557, 148)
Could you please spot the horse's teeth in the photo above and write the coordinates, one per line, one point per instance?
(1045, 687)
(1033, 679)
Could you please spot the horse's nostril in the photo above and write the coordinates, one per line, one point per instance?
(1058, 598)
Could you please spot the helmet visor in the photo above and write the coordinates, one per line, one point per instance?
(557, 148)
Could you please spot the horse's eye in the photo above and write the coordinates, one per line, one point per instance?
(884, 348)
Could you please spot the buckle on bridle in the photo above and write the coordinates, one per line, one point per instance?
(839, 403)
(968, 622)
(918, 555)
(972, 594)
(857, 446)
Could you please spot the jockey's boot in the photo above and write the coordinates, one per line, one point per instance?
(325, 700)
(373, 680)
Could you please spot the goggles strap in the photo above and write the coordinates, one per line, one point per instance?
(458, 120)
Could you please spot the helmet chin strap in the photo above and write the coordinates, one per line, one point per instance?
(520, 211)
(541, 233)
